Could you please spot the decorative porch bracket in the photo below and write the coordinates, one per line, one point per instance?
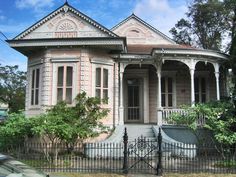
(191, 63)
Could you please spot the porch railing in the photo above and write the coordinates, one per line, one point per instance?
(166, 113)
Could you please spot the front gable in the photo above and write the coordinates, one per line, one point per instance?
(138, 31)
(65, 22)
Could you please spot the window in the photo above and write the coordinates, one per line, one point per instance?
(166, 92)
(64, 83)
(102, 84)
(200, 89)
(35, 79)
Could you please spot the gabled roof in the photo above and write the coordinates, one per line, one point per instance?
(145, 24)
(65, 7)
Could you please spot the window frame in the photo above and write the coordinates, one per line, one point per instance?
(63, 63)
(32, 86)
(64, 85)
(101, 87)
(166, 75)
(106, 64)
(201, 75)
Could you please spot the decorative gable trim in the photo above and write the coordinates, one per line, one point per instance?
(65, 8)
(145, 24)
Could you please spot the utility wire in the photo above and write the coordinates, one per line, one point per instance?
(4, 35)
(4, 42)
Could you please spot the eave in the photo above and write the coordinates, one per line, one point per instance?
(25, 46)
(191, 53)
(133, 58)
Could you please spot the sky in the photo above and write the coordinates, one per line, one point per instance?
(18, 15)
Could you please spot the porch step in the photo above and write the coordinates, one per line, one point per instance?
(135, 131)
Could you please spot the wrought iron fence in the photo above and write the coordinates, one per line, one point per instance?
(139, 156)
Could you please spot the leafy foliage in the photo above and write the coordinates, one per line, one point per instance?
(233, 65)
(205, 25)
(219, 117)
(72, 123)
(12, 87)
(60, 124)
(15, 130)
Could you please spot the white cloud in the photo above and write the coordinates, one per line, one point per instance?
(38, 6)
(21, 4)
(161, 13)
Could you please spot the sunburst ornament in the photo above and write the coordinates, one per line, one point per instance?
(66, 26)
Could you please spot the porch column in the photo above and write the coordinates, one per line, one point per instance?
(217, 75)
(159, 90)
(217, 86)
(121, 107)
(159, 107)
(192, 86)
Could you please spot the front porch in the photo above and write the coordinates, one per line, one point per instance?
(152, 88)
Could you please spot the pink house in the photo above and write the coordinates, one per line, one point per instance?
(143, 73)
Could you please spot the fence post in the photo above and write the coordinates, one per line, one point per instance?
(125, 163)
(159, 163)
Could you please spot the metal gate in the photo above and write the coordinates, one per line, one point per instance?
(142, 156)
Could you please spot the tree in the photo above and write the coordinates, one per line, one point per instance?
(233, 65)
(15, 130)
(204, 27)
(220, 120)
(230, 7)
(70, 124)
(12, 87)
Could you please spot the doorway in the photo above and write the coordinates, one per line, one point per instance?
(134, 100)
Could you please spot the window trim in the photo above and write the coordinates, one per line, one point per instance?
(108, 67)
(75, 76)
(64, 85)
(101, 86)
(31, 69)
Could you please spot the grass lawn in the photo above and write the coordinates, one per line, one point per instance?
(135, 175)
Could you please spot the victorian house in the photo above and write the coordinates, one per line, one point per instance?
(144, 75)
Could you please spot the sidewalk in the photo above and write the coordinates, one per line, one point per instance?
(141, 175)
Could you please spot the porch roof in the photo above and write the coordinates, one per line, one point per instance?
(147, 49)
(175, 51)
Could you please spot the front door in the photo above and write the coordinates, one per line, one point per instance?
(134, 100)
